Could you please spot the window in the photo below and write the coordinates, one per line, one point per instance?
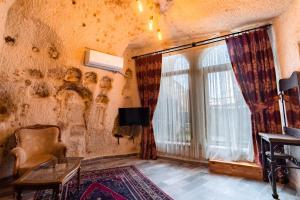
(201, 111)
(228, 122)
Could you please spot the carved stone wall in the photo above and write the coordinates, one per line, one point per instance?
(43, 81)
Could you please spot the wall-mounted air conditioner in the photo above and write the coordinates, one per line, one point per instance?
(103, 61)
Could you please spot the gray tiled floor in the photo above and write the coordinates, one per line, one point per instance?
(184, 181)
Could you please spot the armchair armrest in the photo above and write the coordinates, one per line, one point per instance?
(20, 156)
(59, 150)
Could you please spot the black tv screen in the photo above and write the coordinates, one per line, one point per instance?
(134, 116)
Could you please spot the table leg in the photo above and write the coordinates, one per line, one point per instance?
(19, 194)
(58, 192)
(78, 180)
(66, 191)
(263, 159)
(54, 193)
(273, 175)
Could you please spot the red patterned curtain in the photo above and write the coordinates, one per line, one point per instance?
(148, 71)
(253, 65)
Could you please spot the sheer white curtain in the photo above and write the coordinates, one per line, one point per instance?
(228, 118)
(201, 112)
(171, 121)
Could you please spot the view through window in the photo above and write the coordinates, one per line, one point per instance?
(225, 130)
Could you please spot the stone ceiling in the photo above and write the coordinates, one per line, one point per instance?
(113, 25)
(192, 18)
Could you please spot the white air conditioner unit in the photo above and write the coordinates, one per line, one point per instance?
(103, 61)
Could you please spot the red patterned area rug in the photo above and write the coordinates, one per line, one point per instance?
(122, 183)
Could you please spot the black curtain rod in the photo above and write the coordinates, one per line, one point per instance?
(199, 43)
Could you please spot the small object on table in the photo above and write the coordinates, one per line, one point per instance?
(48, 177)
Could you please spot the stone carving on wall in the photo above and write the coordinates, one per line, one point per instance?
(57, 73)
(75, 99)
(102, 99)
(41, 89)
(73, 75)
(105, 84)
(90, 78)
(101, 102)
(85, 94)
(72, 83)
(35, 73)
(53, 53)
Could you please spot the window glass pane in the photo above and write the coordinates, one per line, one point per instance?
(174, 63)
(216, 55)
(223, 93)
(227, 114)
(171, 119)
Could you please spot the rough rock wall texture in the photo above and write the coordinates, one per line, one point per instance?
(287, 31)
(4, 7)
(43, 81)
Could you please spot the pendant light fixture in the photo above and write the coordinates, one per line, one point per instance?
(151, 19)
(159, 35)
(140, 5)
(151, 23)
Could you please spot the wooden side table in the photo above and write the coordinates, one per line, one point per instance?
(271, 157)
(53, 175)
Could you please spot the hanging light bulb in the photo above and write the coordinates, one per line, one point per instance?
(151, 23)
(140, 5)
(159, 35)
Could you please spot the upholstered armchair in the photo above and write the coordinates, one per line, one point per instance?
(36, 145)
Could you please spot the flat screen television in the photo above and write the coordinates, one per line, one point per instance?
(134, 116)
